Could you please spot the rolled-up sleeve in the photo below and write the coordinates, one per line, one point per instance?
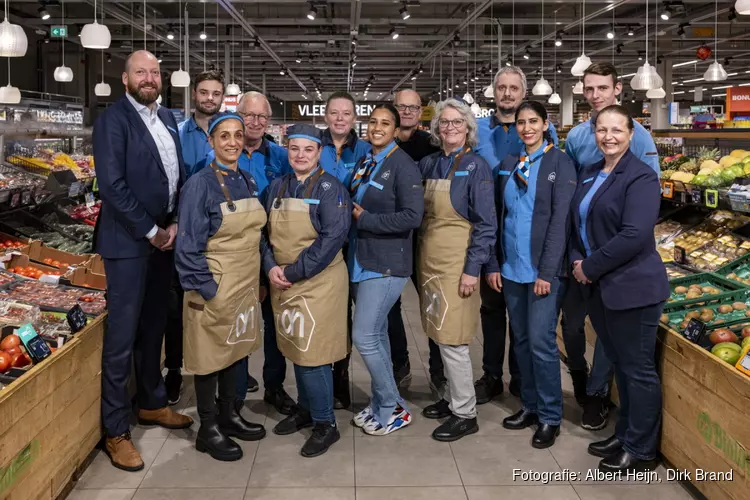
(482, 215)
(334, 220)
(192, 238)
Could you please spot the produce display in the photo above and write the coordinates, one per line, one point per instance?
(16, 313)
(58, 241)
(19, 180)
(674, 271)
(32, 272)
(12, 353)
(6, 277)
(698, 287)
(47, 161)
(707, 169)
(84, 213)
(711, 314)
(665, 231)
(55, 297)
(52, 325)
(717, 224)
(719, 252)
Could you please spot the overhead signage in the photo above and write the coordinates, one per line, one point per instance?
(49, 116)
(301, 110)
(230, 102)
(58, 31)
(738, 99)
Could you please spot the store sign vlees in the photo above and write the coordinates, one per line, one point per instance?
(307, 110)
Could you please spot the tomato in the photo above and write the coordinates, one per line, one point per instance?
(20, 360)
(47, 261)
(13, 350)
(5, 361)
(11, 340)
(56, 263)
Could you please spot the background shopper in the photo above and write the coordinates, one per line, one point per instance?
(533, 196)
(455, 241)
(388, 203)
(614, 256)
(218, 261)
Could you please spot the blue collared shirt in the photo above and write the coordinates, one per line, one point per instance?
(342, 166)
(270, 161)
(582, 149)
(583, 208)
(516, 237)
(356, 272)
(498, 140)
(196, 151)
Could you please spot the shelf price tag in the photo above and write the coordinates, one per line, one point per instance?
(680, 254)
(90, 202)
(695, 330)
(76, 318)
(712, 198)
(696, 196)
(668, 191)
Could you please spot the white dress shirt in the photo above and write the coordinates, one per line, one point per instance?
(166, 146)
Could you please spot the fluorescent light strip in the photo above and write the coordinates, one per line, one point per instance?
(720, 88)
(696, 89)
(626, 76)
(693, 80)
(732, 74)
(719, 95)
(678, 93)
(683, 64)
(744, 85)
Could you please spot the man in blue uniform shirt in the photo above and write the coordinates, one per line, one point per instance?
(601, 88)
(265, 161)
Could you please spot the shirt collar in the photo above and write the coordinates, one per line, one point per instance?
(381, 156)
(351, 140)
(495, 121)
(263, 149)
(592, 120)
(140, 107)
(192, 125)
(538, 152)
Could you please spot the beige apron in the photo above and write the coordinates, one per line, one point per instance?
(444, 237)
(227, 328)
(310, 317)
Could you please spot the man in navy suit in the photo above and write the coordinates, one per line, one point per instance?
(139, 171)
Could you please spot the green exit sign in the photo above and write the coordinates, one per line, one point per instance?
(59, 32)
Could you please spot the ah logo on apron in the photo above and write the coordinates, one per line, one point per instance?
(293, 323)
(247, 320)
(436, 304)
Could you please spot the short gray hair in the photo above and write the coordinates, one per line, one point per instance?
(513, 70)
(466, 113)
(254, 95)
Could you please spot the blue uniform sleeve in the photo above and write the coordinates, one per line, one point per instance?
(570, 149)
(192, 238)
(644, 149)
(334, 219)
(553, 134)
(409, 205)
(482, 215)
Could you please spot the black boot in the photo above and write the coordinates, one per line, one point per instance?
(279, 399)
(342, 398)
(213, 441)
(622, 461)
(173, 384)
(298, 420)
(402, 375)
(545, 436)
(234, 425)
(520, 420)
(580, 379)
(487, 388)
(441, 409)
(605, 448)
(324, 435)
(515, 386)
(455, 428)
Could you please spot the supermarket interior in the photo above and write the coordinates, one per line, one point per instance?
(683, 71)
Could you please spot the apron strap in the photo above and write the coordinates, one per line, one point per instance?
(230, 203)
(313, 180)
(457, 162)
(285, 187)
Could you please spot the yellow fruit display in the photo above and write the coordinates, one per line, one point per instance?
(739, 153)
(727, 161)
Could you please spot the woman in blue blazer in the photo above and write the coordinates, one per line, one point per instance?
(612, 252)
(388, 203)
(533, 195)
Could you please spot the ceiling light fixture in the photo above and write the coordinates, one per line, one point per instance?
(180, 78)
(555, 99)
(312, 13)
(611, 32)
(527, 54)
(170, 33)
(646, 78)
(666, 13)
(631, 31)
(404, 13)
(742, 7)
(578, 88)
(202, 34)
(542, 86)
(716, 72)
(298, 60)
(686, 63)
(43, 13)
(558, 40)
(583, 61)
(393, 33)
(282, 72)
(95, 35)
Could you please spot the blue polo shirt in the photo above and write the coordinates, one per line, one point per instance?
(196, 151)
(583, 208)
(497, 140)
(270, 161)
(582, 149)
(341, 165)
(519, 206)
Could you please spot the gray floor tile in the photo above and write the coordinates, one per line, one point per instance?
(411, 493)
(101, 474)
(101, 494)
(548, 492)
(190, 493)
(670, 491)
(298, 493)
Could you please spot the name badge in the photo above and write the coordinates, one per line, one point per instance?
(462, 173)
(310, 201)
(500, 172)
(376, 185)
(349, 165)
(588, 180)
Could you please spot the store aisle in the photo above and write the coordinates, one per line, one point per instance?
(408, 465)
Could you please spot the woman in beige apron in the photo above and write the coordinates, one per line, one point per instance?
(454, 242)
(218, 261)
(309, 215)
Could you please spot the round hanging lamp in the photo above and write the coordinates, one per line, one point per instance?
(582, 63)
(10, 95)
(555, 99)
(742, 7)
(658, 93)
(578, 88)
(95, 36)
(542, 87)
(102, 89)
(63, 74)
(646, 78)
(13, 41)
(232, 89)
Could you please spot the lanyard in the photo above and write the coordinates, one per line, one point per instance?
(363, 173)
(524, 165)
(220, 177)
(456, 162)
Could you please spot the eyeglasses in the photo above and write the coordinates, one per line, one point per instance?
(404, 107)
(251, 117)
(457, 123)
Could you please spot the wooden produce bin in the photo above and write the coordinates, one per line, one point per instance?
(50, 419)
(706, 408)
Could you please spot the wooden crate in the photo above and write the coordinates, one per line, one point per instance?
(706, 405)
(50, 419)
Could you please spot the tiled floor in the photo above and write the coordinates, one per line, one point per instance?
(407, 465)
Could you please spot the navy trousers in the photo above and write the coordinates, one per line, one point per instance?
(136, 292)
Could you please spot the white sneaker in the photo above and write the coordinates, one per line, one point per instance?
(399, 419)
(363, 417)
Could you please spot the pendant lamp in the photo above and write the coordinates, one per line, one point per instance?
(102, 89)
(542, 87)
(555, 99)
(658, 93)
(468, 99)
(180, 78)
(646, 78)
(489, 92)
(715, 72)
(476, 109)
(9, 94)
(583, 60)
(13, 41)
(742, 7)
(578, 88)
(95, 35)
(232, 88)
(63, 73)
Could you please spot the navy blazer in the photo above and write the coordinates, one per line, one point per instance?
(133, 184)
(392, 211)
(620, 229)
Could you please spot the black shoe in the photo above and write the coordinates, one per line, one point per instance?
(515, 387)
(545, 435)
(605, 448)
(252, 384)
(438, 381)
(580, 379)
(298, 420)
(487, 388)
(520, 420)
(455, 428)
(233, 424)
(238, 404)
(623, 461)
(402, 375)
(595, 413)
(323, 437)
(213, 441)
(279, 399)
(441, 409)
(342, 398)
(173, 383)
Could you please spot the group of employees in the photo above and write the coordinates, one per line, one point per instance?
(307, 249)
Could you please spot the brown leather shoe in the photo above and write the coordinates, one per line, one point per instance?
(122, 453)
(164, 417)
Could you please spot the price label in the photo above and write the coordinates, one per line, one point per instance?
(75, 189)
(49, 278)
(683, 197)
(76, 318)
(679, 254)
(712, 198)
(36, 347)
(695, 331)
(668, 191)
(90, 202)
(696, 196)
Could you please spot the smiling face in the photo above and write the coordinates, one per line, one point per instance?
(612, 134)
(227, 140)
(381, 128)
(208, 96)
(256, 113)
(409, 106)
(453, 129)
(509, 92)
(600, 91)
(531, 127)
(340, 116)
(303, 155)
(142, 77)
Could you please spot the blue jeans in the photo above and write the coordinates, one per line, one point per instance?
(534, 323)
(315, 391)
(629, 339)
(574, 337)
(373, 300)
(274, 363)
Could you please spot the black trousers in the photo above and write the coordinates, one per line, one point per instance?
(205, 391)
(173, 332)
(137, 316)
(493, 317)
